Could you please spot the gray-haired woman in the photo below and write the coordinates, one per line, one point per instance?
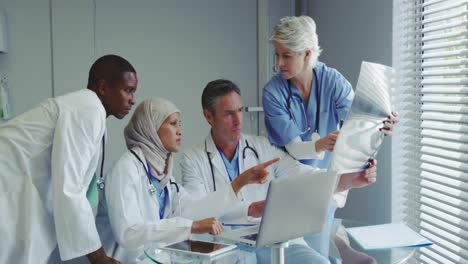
(306, 101)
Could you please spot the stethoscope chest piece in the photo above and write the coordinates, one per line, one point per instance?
(315, 136)
(152, 189)
(100, 183)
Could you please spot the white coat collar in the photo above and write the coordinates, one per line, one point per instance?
(92, 95)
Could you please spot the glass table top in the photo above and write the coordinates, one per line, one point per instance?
(246, 254)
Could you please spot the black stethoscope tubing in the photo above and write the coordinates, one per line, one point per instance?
(317, 118)
(247, 146)
(147, 174)
(100, 183)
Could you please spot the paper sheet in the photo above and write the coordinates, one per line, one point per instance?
(387, 236)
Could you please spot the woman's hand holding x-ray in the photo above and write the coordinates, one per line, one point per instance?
(327, 143)
(389, 124)
(358, 179)
(257, 174)
(209, 225)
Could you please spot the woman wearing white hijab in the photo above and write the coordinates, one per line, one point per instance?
(144, 203)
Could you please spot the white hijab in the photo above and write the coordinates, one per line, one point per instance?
(141, 132)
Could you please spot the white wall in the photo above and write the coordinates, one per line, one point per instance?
(28, 60)
(350, 32)
(176, 47)
(183, 46)
(271, 11)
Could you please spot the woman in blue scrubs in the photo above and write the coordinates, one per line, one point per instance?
(306, 101)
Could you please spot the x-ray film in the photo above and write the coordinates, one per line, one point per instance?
(360, 138)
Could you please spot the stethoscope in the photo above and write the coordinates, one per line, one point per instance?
(247, 147)
(152, 189)
(317, 119)
(100, 182)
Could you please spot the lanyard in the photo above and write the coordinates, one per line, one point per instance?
(162, 206)
(225, 160)
(154, 189)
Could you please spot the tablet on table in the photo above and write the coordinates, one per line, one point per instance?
(199, 248)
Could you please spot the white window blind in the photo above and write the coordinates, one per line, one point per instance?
(430, 150)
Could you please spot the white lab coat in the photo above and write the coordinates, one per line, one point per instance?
(132, 216)
(48, 158)
(197, 176)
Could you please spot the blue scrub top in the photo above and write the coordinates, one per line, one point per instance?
(232, 167)
(335, 95)
(162, 193)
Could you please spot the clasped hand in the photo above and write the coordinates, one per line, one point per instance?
(358, 179)
(389, 124)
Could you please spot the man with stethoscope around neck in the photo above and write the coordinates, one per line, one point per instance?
(227, 152)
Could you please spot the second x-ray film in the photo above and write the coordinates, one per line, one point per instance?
(360, 138)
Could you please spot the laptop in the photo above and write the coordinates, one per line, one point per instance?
(295, 206)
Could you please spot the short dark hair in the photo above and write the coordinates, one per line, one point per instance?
(109, 68)
(215, 89)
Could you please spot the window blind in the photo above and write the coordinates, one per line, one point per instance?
(430, 150)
